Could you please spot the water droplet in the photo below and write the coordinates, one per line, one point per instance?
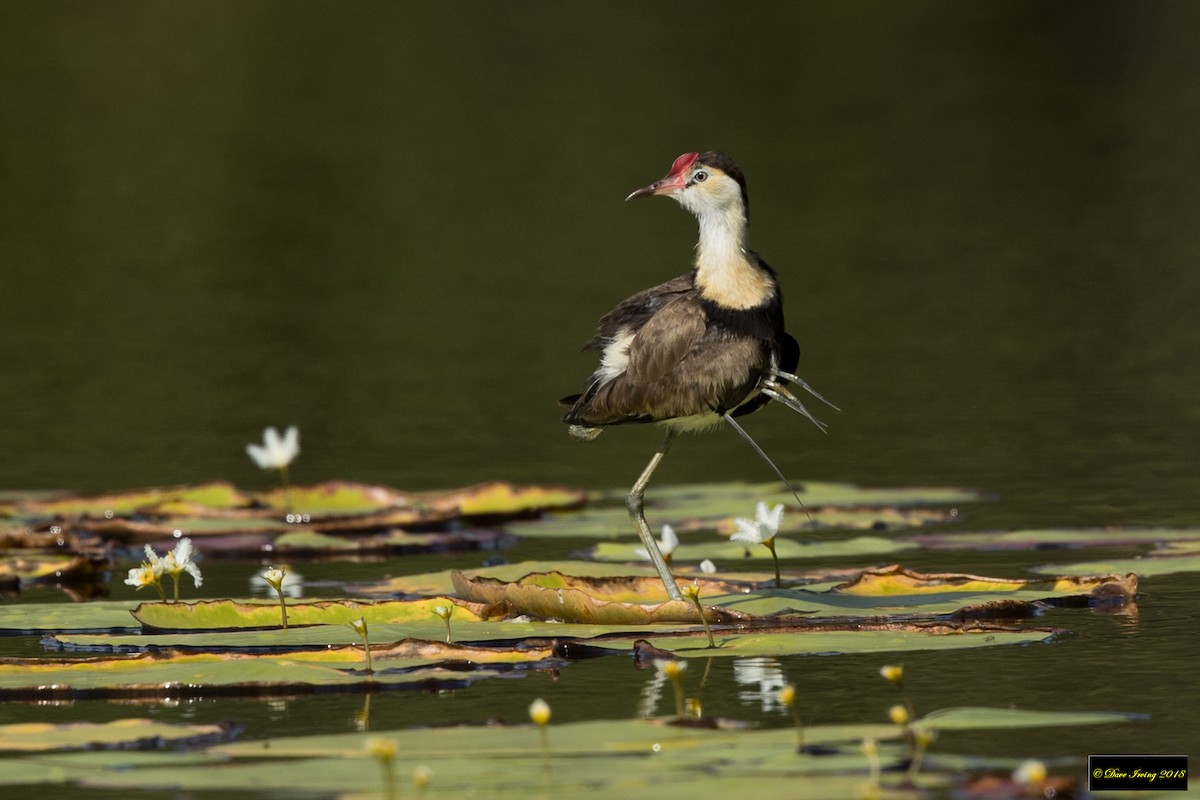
(177, 533)
(108, 514)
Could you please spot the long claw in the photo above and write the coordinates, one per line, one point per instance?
(779, 393)
(796, 379)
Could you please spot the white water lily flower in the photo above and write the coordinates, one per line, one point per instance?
(666, 545)
(142, 576)
(180, 560)
(276, 452)
(762, 529)
(159, 565)
(273, 576)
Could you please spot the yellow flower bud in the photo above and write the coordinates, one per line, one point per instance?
(360, 626)
(870, 747)
(539, 711)
(382, 749)
(893, 673)
(673, 668)
(422, 775)
(787, 695)
(1030, 773)
(898, 714)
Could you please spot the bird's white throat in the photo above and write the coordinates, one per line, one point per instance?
(725, 271)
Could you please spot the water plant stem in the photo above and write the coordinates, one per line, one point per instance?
(770, 545)
(282, 607)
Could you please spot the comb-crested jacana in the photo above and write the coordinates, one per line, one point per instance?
(697, 350)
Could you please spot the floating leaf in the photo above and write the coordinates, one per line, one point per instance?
(443, 583)
(309, 543)
(192, 675)
(334, 498)
(588, 760)
(992, 719)
(854, 638)
(613, 523)
(1171, 558)
(33, 618)
(122, 733)
(1052, 539)
(227, 614)
(217, 494)
(504, 499)
(815, 494)
(727, 552)
(34, 567)
(552, 596)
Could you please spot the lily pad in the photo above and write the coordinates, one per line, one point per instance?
(613, 523)
(738, 498)
(334, 499)
(1171, 558)
(227, 614)
(501, 499)
(1053, 539)
(727, 551)
(600, 759)
(35, 567)
(218, 494)
(192, 675)
(122, 733)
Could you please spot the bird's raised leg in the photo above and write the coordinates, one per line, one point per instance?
(634, 503)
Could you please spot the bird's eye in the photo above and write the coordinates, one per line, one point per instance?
(700, 176)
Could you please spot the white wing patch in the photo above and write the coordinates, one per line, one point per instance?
(615, 356)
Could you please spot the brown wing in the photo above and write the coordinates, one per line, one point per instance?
(678, 366)
(633, 312)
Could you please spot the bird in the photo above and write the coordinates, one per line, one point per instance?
(699, 350)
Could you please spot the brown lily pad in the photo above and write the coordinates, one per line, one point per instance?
(557, 596)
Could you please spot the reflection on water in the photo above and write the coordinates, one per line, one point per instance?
(764, 678)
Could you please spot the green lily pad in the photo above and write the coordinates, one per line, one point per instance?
(738, 498)
(217, 494)
(634, 758)
(613, 523)
(532, 634)
(442, 582)
(227, 614)
(1171, 558)
(191, 675)
(34, 618)
(123, 733)
(1053, 539)
(993, 719)
(727, 552)
(893, 637)
(501, 499)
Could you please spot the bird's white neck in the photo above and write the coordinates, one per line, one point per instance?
(725, 272)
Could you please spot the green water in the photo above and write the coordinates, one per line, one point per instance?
(393, 225)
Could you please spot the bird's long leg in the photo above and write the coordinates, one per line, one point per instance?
(635, 505)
